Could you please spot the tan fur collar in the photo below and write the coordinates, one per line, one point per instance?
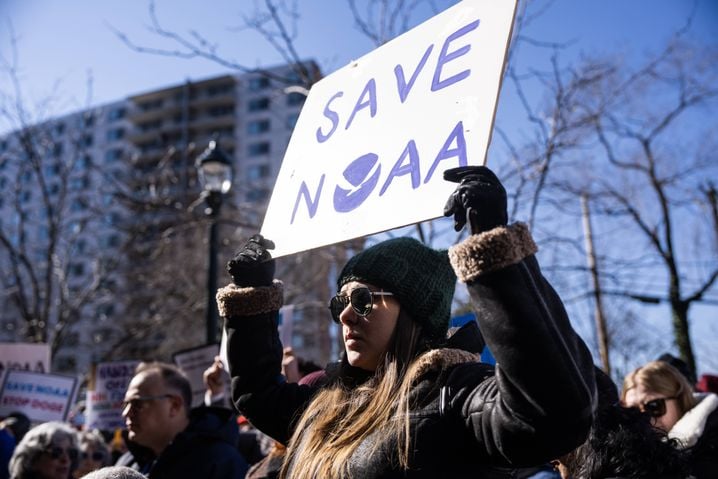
(441, 359)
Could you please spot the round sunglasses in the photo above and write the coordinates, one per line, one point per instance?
(361, 300)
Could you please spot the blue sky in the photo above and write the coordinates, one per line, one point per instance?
(62, 42)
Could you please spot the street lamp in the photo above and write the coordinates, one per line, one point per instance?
(214, 169)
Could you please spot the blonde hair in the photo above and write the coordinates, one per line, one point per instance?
(340, 418)
(659, 377)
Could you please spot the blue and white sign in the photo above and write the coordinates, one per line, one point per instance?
(373, 139)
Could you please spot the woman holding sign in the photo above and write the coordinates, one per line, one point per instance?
(405, 401)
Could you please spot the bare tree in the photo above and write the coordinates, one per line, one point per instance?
(48, 221)
(636, 142)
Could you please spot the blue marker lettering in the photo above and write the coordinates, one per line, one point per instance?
(356, 174)
(445, 153)
(401, 86)
(444, 57)
(370, 90)
(410, 168)
(311, 204)
(333, 116)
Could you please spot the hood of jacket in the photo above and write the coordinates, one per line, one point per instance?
(691, 425)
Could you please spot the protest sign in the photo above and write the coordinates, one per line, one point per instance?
(24, 357)
(194, 362)
(42, 397)
(373, 138)
(103, 405)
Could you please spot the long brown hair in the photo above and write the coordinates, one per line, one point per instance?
(340, 418)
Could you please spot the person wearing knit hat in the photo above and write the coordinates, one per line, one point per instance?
(405, 400)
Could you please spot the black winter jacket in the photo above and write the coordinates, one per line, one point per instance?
(468, 419)
(206, 449)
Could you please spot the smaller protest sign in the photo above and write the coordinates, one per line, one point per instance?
(107, 389)
(24, 357)
(194, 362)
(42, 397)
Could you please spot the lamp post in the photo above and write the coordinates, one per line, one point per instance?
(214, 169)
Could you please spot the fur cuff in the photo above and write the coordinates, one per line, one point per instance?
(235, 301)
(440, 359)
(491, 251)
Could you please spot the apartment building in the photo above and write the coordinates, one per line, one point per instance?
(145, 147)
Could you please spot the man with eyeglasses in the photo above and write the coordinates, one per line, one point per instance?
(167, 439)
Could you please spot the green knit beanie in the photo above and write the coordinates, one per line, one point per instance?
(421, 278)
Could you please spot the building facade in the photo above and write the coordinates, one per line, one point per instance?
(105, 203)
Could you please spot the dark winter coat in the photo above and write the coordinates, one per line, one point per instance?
(468, 419)
(206, 449)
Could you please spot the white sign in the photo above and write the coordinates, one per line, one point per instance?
(42, 397)
(194, 362)
(103, 405)
(373, 139)
(24, 357)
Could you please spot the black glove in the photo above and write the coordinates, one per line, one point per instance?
(253, 265)
(480, 196)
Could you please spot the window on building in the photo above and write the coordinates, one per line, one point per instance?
(26, 177)
(81, 246)
(25, 196)
(296, 99)
(257, 127)
(216, 90)
(256, 149)
(105, 310)
(259, 194)
(150, 126)
(78, 204)
(57, 150)
(151, 105)
(257, 172)
(292, 121)
(115, 134)
(258, 104)
(110, 241)
(52, 169)
(85, 162)
(113, 154)
(59, 129)
(116, 113)
(54, 188)
(76, 269)
(221, 110)
(66, 363)
(80, 182)
(87, 140)
(3, 182)
(87, 120)
(258, 83)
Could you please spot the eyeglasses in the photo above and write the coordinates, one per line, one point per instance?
(361, 299)
(56, 452)
(655, 407)
(138, 402)
(96, 456)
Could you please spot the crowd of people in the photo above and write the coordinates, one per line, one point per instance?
(408, 398)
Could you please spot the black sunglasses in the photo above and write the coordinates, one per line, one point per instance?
(96, 456)
(361, 299)
(655, 407)
(56, 452)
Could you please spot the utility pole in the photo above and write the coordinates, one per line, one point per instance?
(593, 268)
